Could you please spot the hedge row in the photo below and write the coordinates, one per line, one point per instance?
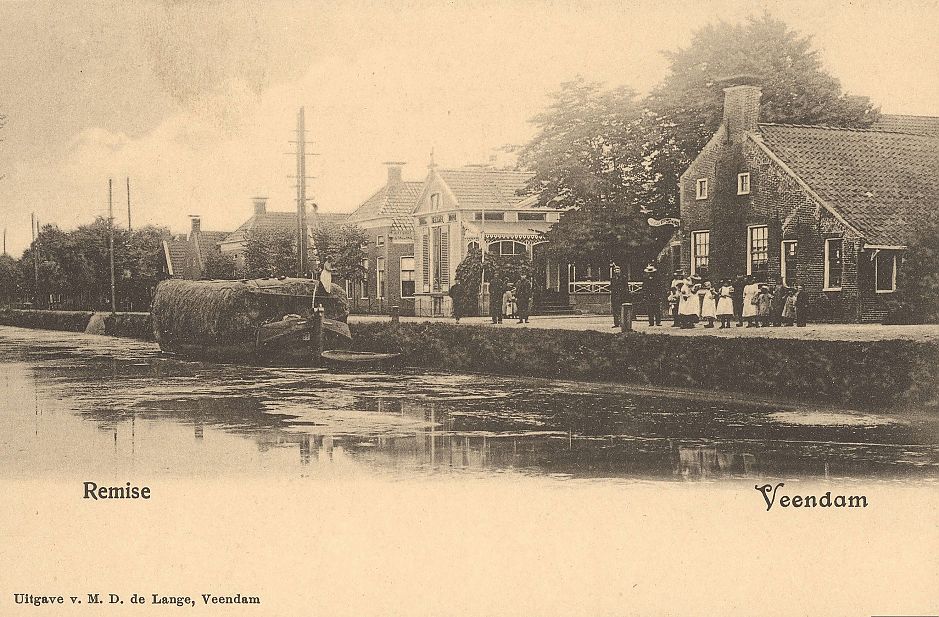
(867, 374)
(131, 325)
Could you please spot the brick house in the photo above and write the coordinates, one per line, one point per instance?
(386, 219)
(185, 257)
(828, 208)
(458, 209)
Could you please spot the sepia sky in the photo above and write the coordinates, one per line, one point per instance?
(196, 102)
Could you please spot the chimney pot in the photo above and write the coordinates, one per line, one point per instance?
(260, 205)
(394, 171)
(741, 110)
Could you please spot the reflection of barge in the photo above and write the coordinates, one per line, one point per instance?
(265, 320)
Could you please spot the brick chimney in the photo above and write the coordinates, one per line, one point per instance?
(260, 205)
(741, 110)
(196, 224)
(394, 172)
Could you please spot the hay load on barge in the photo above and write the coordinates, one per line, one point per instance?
(263, 321)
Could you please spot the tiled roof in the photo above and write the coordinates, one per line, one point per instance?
(917, 125)
(395, 201)
(882, 183)
(178, 253)
(481, 187)
(286, 221)
(209, 241)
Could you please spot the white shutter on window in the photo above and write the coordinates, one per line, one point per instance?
(444, 259)
(425, 260)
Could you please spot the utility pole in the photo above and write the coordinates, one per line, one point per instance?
(4, 240)
(34, 225)
(129, 228)
(111, 245)
(301, 194)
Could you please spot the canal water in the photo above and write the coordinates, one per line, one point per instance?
(74, 404)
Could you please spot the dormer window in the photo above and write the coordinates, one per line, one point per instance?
(701, 189)
(743, 184)
(435, 201)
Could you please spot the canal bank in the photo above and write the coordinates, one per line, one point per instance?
(871, 374)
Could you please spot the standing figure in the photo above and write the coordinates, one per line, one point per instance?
(764, 304)
(326, 274)
(689, 307)
(496, 289)
(618, 290)
(725, 303)
(801, 303)
(789, 308)
(708, 304)
(678, 278)
(456, 300)
(652, 295)
(509, 307)
(779, 302)
(751, 312)
(523, 298)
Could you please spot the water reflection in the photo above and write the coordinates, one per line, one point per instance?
(77, 404)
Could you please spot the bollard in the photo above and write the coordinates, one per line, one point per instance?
(316, 336)
(395, 313)
(626, 317)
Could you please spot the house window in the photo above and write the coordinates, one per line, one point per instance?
(472, 246)
(743, 184)
(407, 277)
(833, 263)
(380, 277)
(532, 216)
(700, 251)
(438, 245)
(885, 272)
(365, 279)
(380, 241)
(789, 262)
(490, 216)
(507, 247)
(349, 288)
(435, 201)
(701, 189)
(758, 256)
(425, 263)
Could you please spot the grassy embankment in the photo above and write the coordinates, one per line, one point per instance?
(880, 374)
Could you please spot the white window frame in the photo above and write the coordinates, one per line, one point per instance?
(750, 229)
(694, 267)
(893, 279)
(701, 188)
(380, 241)
(826, 286)
(783, 264)
(434, 202)
(379, 277)
(401, 279)
(743, 183)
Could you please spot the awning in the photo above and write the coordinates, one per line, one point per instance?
(501, 230)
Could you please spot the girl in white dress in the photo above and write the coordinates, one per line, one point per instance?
(708, 304)
(751, 313)
(725, 304)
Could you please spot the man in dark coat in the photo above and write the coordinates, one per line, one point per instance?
(618, 289)
(802, 306)
(456, 300)
(778, 303)
(523, 298)
(737, 298)
(652, 295)
(496, 289)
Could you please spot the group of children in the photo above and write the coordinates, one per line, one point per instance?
(692, 299)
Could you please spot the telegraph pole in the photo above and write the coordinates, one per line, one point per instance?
(111, 245)
(301, 194)
(129, 228)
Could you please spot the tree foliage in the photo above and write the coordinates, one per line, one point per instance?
(270, 252)
(218, 266)
(918, 276)
(687, 107)
(589, 157)
(345, 247)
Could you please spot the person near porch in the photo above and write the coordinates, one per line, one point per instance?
(456, 300)
(725, 303)
(678, 278)
(496, 289)
(326, 275)
(652, 295)
(618, 288)
(802, 306)
(708, 304)
(737, 298)
(523, 298)
(764, 305)
(751, 312)
(779, 302)
(689, 307)
(789, 308)
(509, 306)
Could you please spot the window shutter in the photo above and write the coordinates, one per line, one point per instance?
(444, 260)
(425, 260)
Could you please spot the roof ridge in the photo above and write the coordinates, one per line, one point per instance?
(843, 128)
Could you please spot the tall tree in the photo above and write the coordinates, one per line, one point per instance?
(270, 252)
(345, 247)
(589, 157)
(686, 108)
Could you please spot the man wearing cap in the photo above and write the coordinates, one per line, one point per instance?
(617, 292)
(652, 295)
